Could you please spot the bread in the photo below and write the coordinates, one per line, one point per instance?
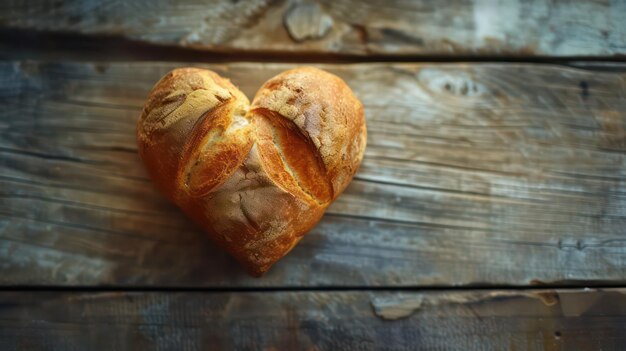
(256, 176)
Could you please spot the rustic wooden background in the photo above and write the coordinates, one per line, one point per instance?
(489, 212)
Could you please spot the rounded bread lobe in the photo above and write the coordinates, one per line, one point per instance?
(184, 123)
(324, 109)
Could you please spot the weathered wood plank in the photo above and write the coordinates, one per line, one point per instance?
(474, 174)
(379, 27)
(473, 320)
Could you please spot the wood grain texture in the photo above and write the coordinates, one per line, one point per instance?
(474, 174)
(475, 320)
(475, 27)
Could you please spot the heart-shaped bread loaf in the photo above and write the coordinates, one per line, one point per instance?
(256, 176)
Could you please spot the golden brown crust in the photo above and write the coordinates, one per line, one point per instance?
(182, 108)
(323, 107)
(258, 177)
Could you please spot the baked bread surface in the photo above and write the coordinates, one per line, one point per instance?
(256, 176)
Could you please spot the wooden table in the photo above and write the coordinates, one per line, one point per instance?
(489, 212)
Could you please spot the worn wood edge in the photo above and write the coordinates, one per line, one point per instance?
(393, 28)
(22, 44)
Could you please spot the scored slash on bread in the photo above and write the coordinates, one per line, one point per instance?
(256, 176)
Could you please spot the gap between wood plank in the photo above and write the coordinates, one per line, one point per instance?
(438, 288)
(25, 44)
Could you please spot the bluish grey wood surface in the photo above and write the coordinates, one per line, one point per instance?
(375, 27)
(575, 320)
(473, 174)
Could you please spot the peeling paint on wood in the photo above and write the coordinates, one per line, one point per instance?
(396, 306)
(307, 21)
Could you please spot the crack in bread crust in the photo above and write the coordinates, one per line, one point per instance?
(308, 166)
(207, 170)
